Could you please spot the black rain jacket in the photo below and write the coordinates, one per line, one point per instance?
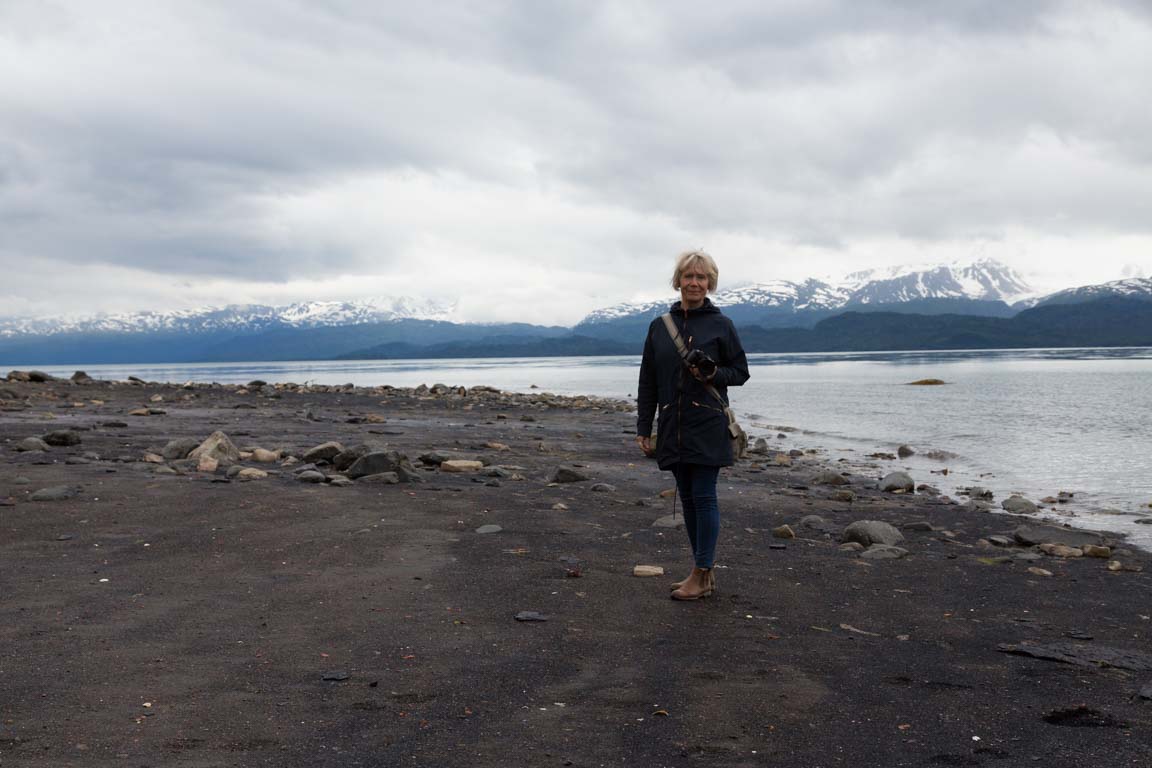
(691, 425)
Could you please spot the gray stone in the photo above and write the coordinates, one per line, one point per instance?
(80, 377)
(1002, 541)
(377, 462)
(1032, 535)
(928, 490)
(1018, 505)
(433, 458)
(380, 478)
(324, 452)
(31, 444)
(311, 476)
(813, 522)
(668, 521)
(566, 475)
(921, 526)
(978, 492)
(905, 451)
(883, 552)
(351, 455)
(1146, 692)
(489, 528)
(55, 493)
(409, 474)
(897, 481)
(760, 446)
(604, 488)
(179, 448)
(340, 481)
(531, 615)
(869, 532)
(21, 480)
(218, 446)
(975, 506)
(828, 477)
(62, 438)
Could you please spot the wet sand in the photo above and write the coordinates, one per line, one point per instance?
(180, 620)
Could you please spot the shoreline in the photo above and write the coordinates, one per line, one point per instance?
(184, 618)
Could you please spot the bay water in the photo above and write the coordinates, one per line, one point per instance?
(1033, 422)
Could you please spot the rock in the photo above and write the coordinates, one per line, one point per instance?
(904, 452)
(179, 448)
(843, 494)
(31, 444)
(62, 438)
(1002, 541)
(409, 474)
(1088, 655)
(1094, 550)
(376, 462)
(897, 482)
(869, 532)
(928, 490)
(760, 446)
(646, 571)
(264, 456)
(1146, 692)
(350, 456)
(164, 469)
(920, 526)
(883, 552)
(310, 476)
(152, 458)
(461, 465)
(336, 676)
(1018, 505)
(852, 546)
(18, 376)
(782, 460)
(978, 492)
(494, 446)
(218, 447)
(207, 464)
(55, 493)
(1031, 535)
(324, 452)
(531, 616)
(566, 475)
(251, 473)
(340, 481)
(828, 477)
(784, 532)
(927, 382)
(380, 478)
(489, 528)
(937, 455)
(39, 377)
(433, 458)
(975, 506)
(1035, 571)
(668, 521)
(1061, 550)
(604, 488)
(21, 480)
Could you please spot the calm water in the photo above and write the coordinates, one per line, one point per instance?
(1029, 421)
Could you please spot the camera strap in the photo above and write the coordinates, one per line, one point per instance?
(674, 332)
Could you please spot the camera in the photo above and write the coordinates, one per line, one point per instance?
(701, 362)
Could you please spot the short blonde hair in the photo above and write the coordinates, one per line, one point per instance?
(692, 259)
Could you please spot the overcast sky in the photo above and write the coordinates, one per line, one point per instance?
(535, 160)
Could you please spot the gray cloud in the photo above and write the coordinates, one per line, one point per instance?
(270, 144)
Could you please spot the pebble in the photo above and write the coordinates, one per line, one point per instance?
(566, 475)
(55, 493)
(604, 488)
(489, 528)
(646, 571)
(784, 532)
(461, 465)
(312, 476)
(668, 521)
(1093, 550)
(530, 616)
(251, 473)
(883, 552)
(1039, 571)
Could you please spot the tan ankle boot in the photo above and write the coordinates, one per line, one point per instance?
(699, 584)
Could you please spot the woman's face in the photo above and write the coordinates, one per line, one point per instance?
(693, 286)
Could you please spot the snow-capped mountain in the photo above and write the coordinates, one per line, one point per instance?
(241, 318)
(1132, 288)
(985, 280)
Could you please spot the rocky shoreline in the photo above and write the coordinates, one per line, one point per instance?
(208, 574)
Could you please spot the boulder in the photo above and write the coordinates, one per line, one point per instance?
(62, 438)
(905, 451)
(179, 448)
(760, 446)
(828, 477)
(433, 458)
(566, 475)
(31, 444)
(1018, 505)
(883, 552)
(350, 456)
(381, 478)
(324, 452)
(55, 493)
(1032, 535)
(80, 377)
(218, 447)
(40, 377)
(376, 462)
(869, 532)
(897, 482)
(207, 464)
(460, 465)
(18, 376)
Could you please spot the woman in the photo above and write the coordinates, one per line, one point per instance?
(692, 429)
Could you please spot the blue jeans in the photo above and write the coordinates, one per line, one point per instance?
(697, 485)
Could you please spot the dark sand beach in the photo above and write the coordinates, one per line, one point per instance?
(160, 614)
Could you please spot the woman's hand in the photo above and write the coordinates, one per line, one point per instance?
(645, 444)
(699, 376)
